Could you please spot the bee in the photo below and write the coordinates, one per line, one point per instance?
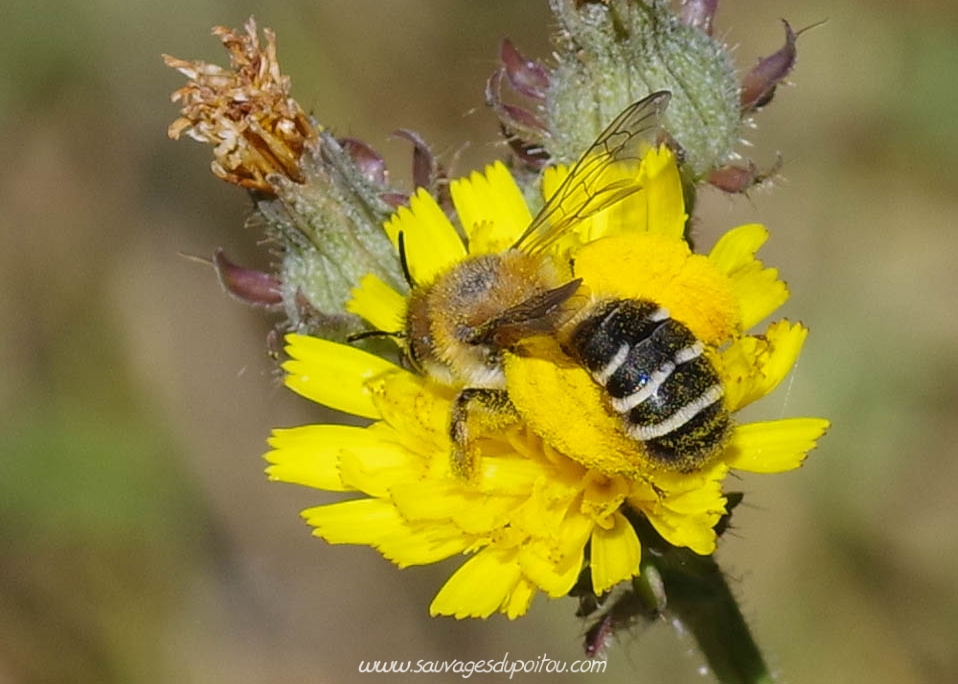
(653, 371)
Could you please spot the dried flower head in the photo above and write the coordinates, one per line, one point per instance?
(245, 112)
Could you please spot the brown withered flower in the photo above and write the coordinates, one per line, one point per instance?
(246, 112)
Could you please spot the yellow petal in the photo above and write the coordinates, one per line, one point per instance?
(334, 375)
(706, 497)
(602, 496)
(509, 475)
(360, 521)
(309, 455)
(758, 289)
(657, 207)
(542, 513)
(423, 544)
(663, 187)
(615, 554)
(753, 366)
(417, 409)
(552, 178)
(774, 446)
(628, 214)
(480, 587)
(655, 202)
(491, 209)
(554, 562)
(485, 516)
(553, 573)
(379, 463)
(431, 242)
(736, 249)
(452, 501)
(695, 532)
(519, 599)
(379, 304)
(671, 484)
(785, 341)
(759, 292)
(376, 523)
(686, 513)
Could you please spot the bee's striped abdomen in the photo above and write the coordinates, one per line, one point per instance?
(657, 379)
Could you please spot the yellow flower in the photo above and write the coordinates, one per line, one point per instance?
(553, 492)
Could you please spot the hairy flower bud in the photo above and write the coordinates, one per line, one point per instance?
(613, 53)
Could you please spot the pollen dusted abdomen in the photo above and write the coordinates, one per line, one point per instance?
(656, 377)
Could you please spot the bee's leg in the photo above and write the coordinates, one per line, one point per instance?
(476, 411)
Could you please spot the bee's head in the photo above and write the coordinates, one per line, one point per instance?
(458, 326)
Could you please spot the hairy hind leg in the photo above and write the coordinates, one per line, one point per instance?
(476, 411)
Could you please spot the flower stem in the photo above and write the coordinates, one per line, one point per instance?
(692, 593)
(701, 603)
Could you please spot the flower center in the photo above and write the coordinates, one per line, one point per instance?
(664, 271)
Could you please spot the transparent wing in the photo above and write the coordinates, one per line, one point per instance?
(590, 186)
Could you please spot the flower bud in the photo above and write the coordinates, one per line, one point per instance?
(611, 53)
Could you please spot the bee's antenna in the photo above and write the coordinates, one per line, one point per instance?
(355, 337)
(401, 241)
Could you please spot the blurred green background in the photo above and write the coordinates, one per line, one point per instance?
(141, 541)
